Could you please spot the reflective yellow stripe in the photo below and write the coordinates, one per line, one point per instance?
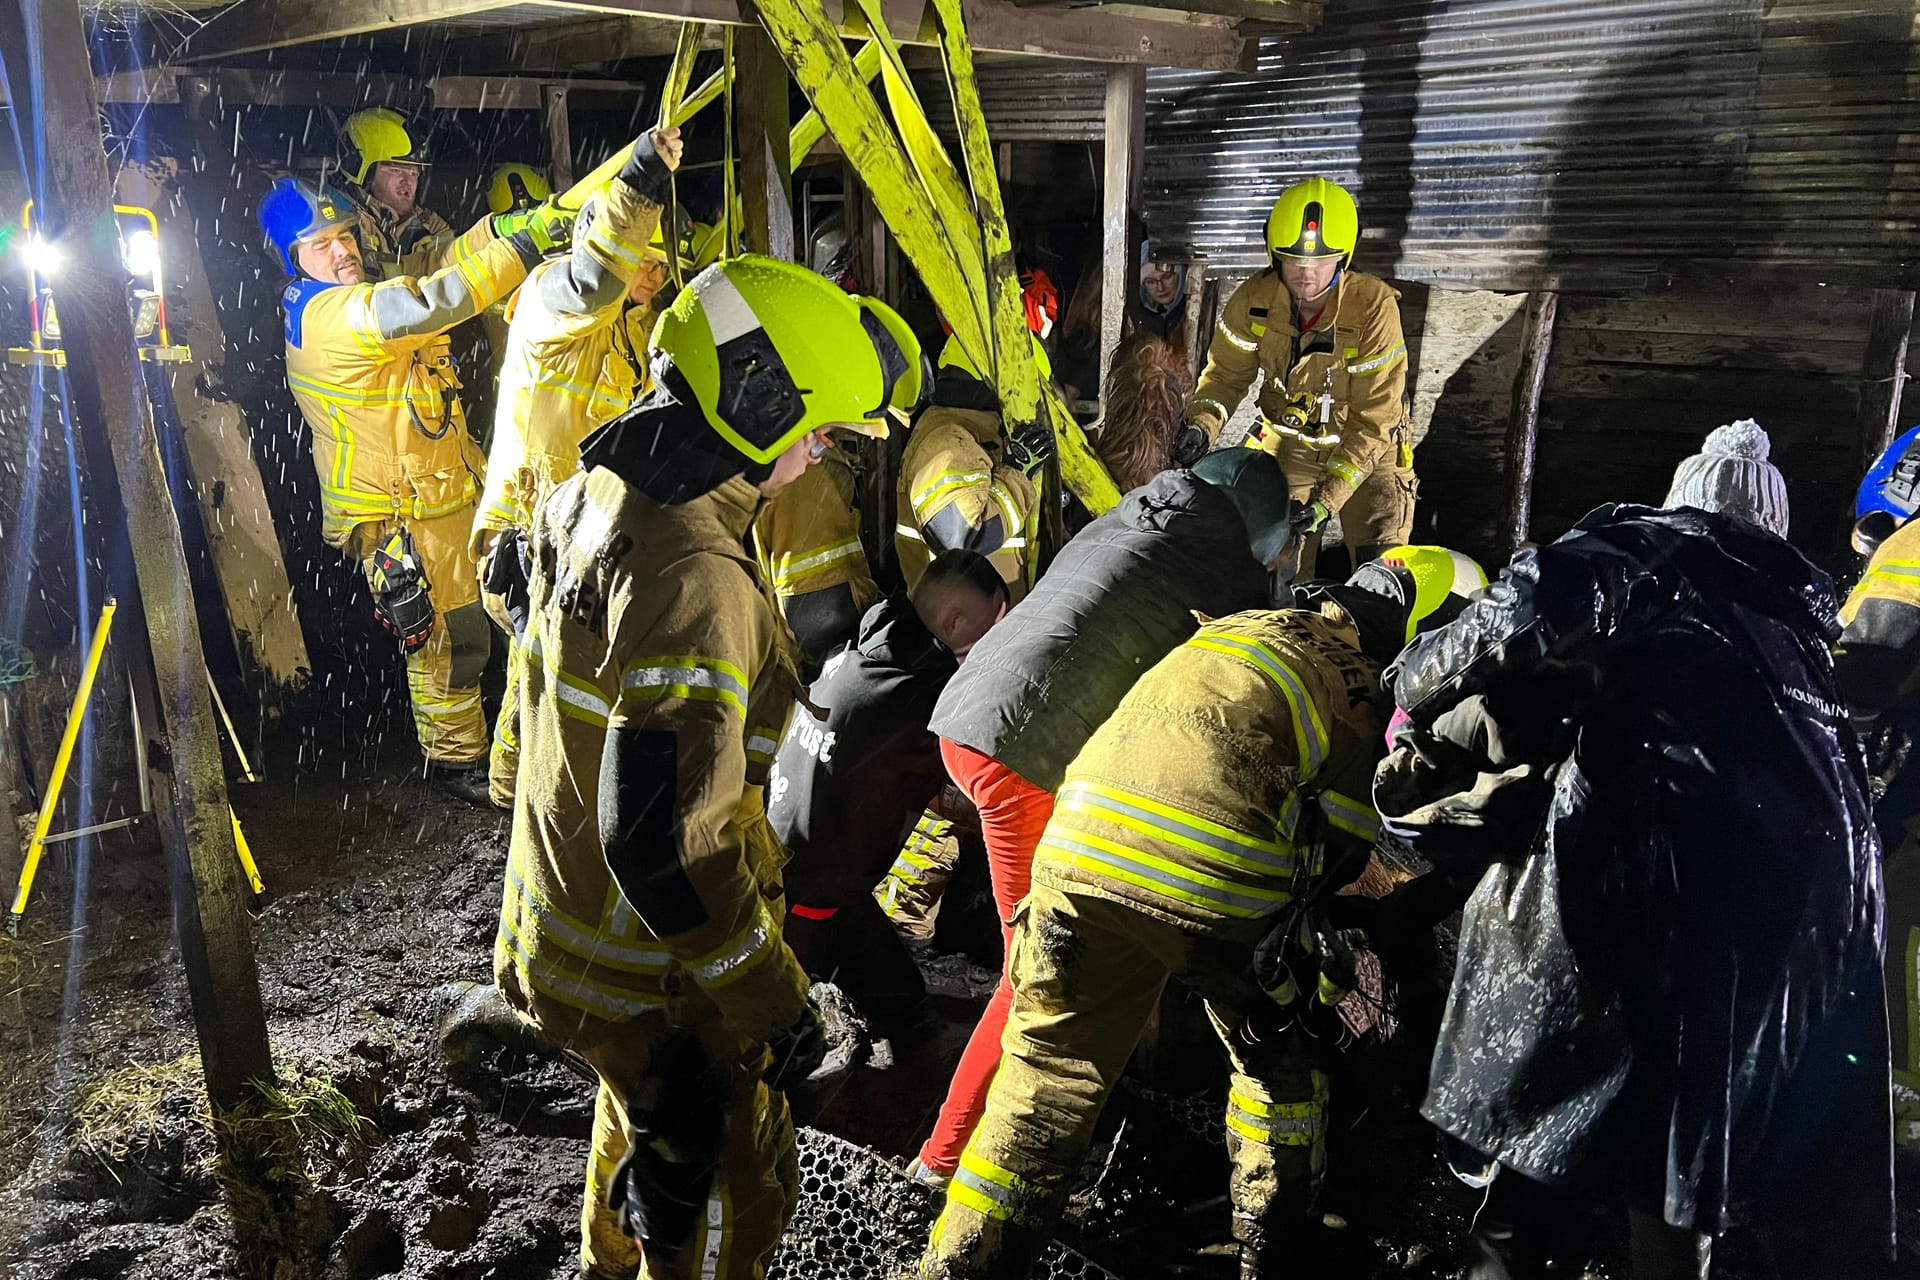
(1245, 344)
(1178, 827)
(1345, 470)
(584, 941)
(986, 1188)
(1310, 732)
(685, 676)
(557, 983)
(1354, 817)
(1105, 857)
(739, 955)
(1374, 364)
(1009, 511)
(944, 483)
(788, 570)
(581, 699)
(1214, 405)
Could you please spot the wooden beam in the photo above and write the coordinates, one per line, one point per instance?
(1119, 191)
(1883, 372)
(764, 119)
(260, 87)
(1523, 422)
(996, 26)
(1276, 17)
(253, 25)
(114, 420)
(242, 541)
(559, 136)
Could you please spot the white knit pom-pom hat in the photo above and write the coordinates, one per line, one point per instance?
(1731, 474)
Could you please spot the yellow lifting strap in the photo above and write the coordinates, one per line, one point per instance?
(803, 138)
(939, 228)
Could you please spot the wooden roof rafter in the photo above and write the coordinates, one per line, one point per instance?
(1197, 41)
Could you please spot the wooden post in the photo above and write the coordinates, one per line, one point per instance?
(1523, 423)
(559, 136)
(766, 167)
(46, 45)
(1120, 187)
(1883, 372)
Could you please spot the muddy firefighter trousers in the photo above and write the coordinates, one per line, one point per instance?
(1088, 973)
(757, 1179)
(911, 893)
(1013, 815)
(443, 675)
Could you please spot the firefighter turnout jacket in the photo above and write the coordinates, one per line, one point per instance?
(1208, 794)
(648, 618)
(957, 491)
(371, 370)
(576, 356)
(1333, 406)
(807, 537)
(394, 246)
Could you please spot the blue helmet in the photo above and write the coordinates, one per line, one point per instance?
(1892, 484)
(297, 208)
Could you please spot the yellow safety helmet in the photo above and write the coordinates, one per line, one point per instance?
(1442, 580)
(376, 136)
(954, 356)
(1313, 219)
(516, 186)
(770, 351)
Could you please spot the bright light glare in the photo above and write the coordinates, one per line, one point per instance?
(141, 253)
(42, 258)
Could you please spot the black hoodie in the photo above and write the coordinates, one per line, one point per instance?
(849, 783)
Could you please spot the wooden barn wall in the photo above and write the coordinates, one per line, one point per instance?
(1633, 385)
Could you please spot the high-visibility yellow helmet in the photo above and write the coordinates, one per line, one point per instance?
(954, 356)
(709, 244)
(376, 136)
(516, 186)
(1443, 581)
(1314, 219)
(770, 351)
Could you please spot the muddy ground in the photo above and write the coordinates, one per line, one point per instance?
(380, 892)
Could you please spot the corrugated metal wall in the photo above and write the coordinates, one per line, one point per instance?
(1610, 143)
(1025, 100)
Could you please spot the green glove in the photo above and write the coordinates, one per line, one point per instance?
(545, 227)
(1310, 519)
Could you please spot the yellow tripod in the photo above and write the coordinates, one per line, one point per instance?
(76, 716)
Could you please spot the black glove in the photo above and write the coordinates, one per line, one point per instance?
(646, 171)
(798, 1051)
(508, 574)
(1030, 447)
(1190, 445)
(677, 1116)
(400, 598)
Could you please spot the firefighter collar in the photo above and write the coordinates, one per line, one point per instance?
(293, 303)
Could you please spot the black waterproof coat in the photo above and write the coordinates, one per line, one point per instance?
(850, 782)
(1116, 600)
(1669, 979)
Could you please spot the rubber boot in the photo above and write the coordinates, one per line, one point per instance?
(465, 781)
(472, 1018)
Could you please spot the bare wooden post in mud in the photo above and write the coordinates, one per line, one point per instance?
(1523, 425)
(45, 46)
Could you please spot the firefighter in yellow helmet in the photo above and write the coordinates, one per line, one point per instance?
(510, 187)
(1191, 839)
(574, 356)
(1333, 407)
(959, 490)
(379, 156)
(808, 541)
(640, 924)
(370, 368)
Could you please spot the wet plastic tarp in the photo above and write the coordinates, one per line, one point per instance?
(1669, 979)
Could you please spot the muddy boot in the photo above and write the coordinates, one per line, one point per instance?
(471, 1020)
(463, 781)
